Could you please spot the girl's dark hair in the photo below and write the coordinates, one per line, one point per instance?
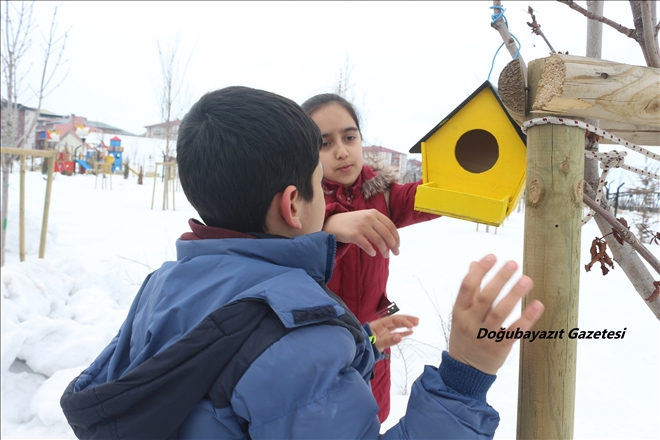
(316, 102)
(237, 148)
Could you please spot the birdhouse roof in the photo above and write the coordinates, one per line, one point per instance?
(417, 148)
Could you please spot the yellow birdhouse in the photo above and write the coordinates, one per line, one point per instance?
(473, 162)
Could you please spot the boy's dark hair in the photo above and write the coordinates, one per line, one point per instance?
(316, 102)
(237, 148)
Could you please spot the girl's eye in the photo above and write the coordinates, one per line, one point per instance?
(351, 138)
(325, 144)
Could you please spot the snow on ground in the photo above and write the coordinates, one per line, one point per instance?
(58, 313)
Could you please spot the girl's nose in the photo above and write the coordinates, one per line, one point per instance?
(341, 153)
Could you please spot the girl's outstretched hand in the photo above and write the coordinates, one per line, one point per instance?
(367, 229)
(384, 329)
(474, 310)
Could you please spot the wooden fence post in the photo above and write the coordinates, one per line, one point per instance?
(44, 220)
(553, 213)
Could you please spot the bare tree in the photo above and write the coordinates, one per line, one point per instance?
(646, 189)
(18, 27)
(344, 86)
(170, 96)
(646, 26)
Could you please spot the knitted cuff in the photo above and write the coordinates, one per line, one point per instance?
(464, 379)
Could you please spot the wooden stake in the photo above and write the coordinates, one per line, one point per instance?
(153, 194)
(51, 155)
(44, 222)
(21, 211)
(553, 212)
(624, 97)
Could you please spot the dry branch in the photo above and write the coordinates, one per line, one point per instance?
(624, 233)
(536, 29)
(650, 41)
(624, 30)
(628, 259)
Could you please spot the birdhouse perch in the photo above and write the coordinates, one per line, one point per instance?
(473, 162)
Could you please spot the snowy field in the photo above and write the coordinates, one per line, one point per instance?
(58, 313)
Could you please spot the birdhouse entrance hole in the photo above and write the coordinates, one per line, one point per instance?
(477, 151)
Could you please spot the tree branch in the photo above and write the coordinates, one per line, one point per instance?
(624, 30)
(509, 42)
(536, 29)
(624, 232)
(648, 33)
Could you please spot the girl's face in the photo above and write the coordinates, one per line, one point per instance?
(341, 154)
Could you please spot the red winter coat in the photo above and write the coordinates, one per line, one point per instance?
(361, 280)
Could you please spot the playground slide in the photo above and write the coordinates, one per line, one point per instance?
(133, 171)
(83, 164)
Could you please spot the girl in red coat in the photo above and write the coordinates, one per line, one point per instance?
(363, 207)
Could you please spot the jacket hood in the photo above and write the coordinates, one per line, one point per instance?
(314, 253)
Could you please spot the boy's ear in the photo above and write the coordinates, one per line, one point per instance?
(289, 207)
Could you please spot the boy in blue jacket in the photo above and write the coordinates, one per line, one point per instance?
(240, 338)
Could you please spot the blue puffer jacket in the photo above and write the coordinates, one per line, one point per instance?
(311, 383)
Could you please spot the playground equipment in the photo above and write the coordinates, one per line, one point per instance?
(64, 164)
(21, 152)
(104, 169)
(115, 150)
(104, 160)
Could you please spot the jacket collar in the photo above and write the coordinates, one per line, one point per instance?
(314, 253)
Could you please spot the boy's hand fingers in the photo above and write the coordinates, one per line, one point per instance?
(484, 300)
(472, 281)
(529, 316)
(504, 308)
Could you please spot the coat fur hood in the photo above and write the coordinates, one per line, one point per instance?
(383, 179)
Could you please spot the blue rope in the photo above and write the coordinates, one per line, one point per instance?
(496, 17)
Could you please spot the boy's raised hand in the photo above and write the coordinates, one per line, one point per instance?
(366, 228)
(383, 329)
(474, 310)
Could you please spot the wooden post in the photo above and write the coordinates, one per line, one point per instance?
(553, 211)
(21, 210)
(51, 155)
(153, 194)
(44, 221)
(625, 98)
(169, 177)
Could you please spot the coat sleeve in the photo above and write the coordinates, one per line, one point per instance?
(309, 385)
(402, 205)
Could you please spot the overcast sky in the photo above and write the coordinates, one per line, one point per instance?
(411, 62)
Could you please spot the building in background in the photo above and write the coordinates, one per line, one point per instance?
(68, 124)
(25, 117)
(157, 131)
(379, 157)
(413, 171)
